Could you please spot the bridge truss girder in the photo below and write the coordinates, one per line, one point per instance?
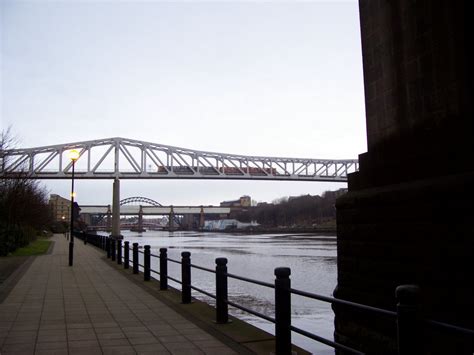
(132, 159)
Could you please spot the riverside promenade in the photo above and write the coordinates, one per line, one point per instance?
(96, 308)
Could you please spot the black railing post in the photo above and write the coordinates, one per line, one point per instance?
(135, 258)
(107, 246)
(222, 313)
(126, 254)
(282, 311)
(85, 237)
(146, 263)
(113, 249)
(163, 269)
(408, 328)
(119, 252)
(186, 277)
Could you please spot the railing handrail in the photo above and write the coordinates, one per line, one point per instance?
(203, 268)
(340, 301)
(315, 296)
(451, 327)
(253, 281)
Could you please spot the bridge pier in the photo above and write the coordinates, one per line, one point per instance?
(140, 219)
(201, 218)
(116, 210)
(171, 220)
(405, 219)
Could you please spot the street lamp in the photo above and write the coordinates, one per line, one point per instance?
(73, 155)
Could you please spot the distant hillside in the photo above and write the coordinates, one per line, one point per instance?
(301, 211)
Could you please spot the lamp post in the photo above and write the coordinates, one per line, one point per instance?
(73, 155)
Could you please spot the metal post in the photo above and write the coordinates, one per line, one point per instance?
(282, 311)
(84, 235)
(71, 229)
(163, 269)
(186, 277)
(408, 328)
(222, 313)
(146, 264)
(126, 254)
(109, 219)
(119, 251)
(135, 258)
(113, 251)
(108, 246)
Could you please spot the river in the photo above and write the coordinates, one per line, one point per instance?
(312, 260)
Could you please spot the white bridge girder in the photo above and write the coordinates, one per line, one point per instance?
(132, 159)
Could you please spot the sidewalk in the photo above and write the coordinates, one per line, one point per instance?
(91, 308)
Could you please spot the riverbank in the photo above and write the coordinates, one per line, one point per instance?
(328, 231)
(276, 230)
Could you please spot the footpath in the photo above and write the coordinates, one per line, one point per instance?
(95, 308)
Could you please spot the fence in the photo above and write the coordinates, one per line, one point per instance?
(408, 320)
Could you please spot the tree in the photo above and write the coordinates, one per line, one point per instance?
(304, 210)
(24, 209)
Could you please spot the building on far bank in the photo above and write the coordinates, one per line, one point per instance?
(60, 208)
(242, 202)
(236, 206)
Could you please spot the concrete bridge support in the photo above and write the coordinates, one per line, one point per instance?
(201, 218)
(116, 210)
(405, 219)
(140, 219)
(171, 220)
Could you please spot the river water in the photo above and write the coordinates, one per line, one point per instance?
(312, 260)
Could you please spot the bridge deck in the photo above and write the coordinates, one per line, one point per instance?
(92, 308)
(156, 210)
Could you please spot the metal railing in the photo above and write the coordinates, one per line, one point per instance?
(407, 317)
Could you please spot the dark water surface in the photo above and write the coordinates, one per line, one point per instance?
(312, 260)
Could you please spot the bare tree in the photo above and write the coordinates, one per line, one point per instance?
(23, 204)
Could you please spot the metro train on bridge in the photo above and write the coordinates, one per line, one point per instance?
(229, 170)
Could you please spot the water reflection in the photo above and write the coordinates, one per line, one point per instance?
(312, 260)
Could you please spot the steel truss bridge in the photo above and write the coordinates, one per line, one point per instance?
(121, 158)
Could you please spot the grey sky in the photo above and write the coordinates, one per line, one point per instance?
(256, 78)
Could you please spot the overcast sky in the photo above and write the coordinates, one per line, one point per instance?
(280, 78)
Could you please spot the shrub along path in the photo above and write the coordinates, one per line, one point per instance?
(91, 308)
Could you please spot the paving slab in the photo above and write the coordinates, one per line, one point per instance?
(91, 308)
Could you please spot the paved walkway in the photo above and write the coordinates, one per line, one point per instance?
(91, 308)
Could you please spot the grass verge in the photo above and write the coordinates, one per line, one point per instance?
(37, 247)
